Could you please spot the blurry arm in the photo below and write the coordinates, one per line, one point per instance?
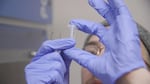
(139, 76)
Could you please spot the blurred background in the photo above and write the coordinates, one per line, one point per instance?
(25, 24)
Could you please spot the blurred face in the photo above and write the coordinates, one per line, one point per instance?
(97, 48)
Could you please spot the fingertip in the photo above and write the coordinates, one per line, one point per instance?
(71, 53)
(91, 3)
(75, 22)
(71, 41)
(71, 22)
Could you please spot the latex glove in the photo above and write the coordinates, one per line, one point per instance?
(121, 40)
(49, 66)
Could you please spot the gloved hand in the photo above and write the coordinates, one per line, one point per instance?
(121, 40)
(49, 66)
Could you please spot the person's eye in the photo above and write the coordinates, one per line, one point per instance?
(93, 50)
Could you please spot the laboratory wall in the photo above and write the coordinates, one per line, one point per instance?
(65, 10)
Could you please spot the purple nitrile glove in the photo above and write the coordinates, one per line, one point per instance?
(49, 66)
(121, 40)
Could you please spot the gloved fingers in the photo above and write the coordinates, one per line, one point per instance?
(49, 68)
(103, 9)
(53, 77)
(54, 45)
(56, 78)
(120, 6)
(89, 27)
(48, 62)
(66, 60)
(82, 57)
